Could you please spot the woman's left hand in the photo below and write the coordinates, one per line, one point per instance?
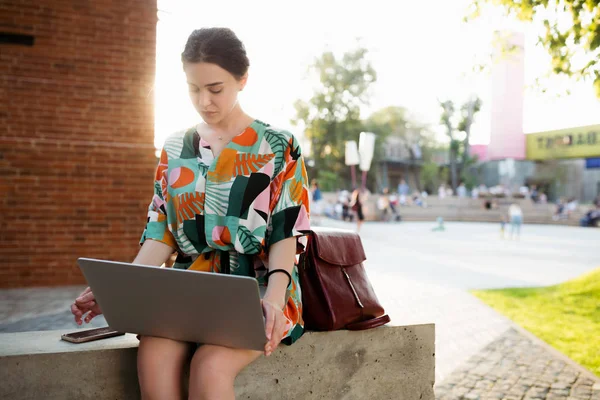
(275, 322)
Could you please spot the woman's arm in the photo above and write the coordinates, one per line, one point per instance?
(153, 253)
(282, 255)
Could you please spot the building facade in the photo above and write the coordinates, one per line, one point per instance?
(77, 134)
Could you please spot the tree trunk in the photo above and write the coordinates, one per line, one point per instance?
(468, 123)
(453, 172)
(415, 170)
(417, 174)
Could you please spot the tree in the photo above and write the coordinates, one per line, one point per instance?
(446, 120)
(332, 115)
(396, 122)
(575, 46)
(468, 111)
(459, 165)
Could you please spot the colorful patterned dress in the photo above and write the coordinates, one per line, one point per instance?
(222, 215)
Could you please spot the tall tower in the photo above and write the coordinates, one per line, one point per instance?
(507, 139)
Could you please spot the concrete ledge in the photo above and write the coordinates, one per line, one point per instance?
(383, 363)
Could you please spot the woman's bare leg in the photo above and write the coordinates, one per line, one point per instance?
(161, 364)
(214, 369)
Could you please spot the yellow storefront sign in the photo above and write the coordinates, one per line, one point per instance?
(581, 142)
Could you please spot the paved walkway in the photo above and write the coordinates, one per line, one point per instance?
(514, 367)
(420, 276)
(39, 309)
(21, 304)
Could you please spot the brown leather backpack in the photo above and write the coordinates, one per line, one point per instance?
(336, 292)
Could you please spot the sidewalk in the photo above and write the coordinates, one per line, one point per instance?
(39, 309)
(515, 367)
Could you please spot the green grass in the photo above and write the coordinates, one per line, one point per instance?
(566, 316)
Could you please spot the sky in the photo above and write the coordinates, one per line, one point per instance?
(422, 52)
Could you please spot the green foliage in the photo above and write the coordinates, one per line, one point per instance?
(460, 159)
(444, 176)
(396, 122)
(431, 177)
(565, 316)
(469, 174)
(564, 42)
(332, 115)
(389, 121)
(329, 181)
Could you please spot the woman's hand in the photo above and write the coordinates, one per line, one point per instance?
(84, 304)
(275, 322)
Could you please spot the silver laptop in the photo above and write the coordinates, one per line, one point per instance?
(190, 306)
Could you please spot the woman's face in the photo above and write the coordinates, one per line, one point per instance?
(213, 90)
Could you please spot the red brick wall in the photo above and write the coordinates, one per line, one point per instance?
(76, 135)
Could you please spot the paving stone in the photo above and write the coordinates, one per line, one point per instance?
(560, 385)
(494, 395)
(553, 396)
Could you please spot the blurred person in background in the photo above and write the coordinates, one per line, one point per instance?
(383, 205)
(461, 191)
(316, 206)
(403, 192)
(515, 216)
(357, 206)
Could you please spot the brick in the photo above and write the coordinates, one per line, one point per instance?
(76, 152)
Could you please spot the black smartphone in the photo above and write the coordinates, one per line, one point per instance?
(90, 335)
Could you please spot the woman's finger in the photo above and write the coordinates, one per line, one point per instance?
(85, 298)
(86, 306)
(86, 291)
(277, 334)
(279, 330)
(77, 313)
(75, 310)
(282, 327)
(270, 321)
(90, 316)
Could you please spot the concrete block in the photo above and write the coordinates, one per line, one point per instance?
(395, 362)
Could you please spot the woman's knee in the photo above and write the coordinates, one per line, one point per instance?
(216, 363)
(160, 367)
(209, 364)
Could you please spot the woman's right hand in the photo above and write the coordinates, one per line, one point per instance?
(85, 304)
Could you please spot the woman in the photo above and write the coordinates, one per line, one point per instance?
(317, 203)
(357, 207)
(383, 204)
(515, 215)
(230, 196)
